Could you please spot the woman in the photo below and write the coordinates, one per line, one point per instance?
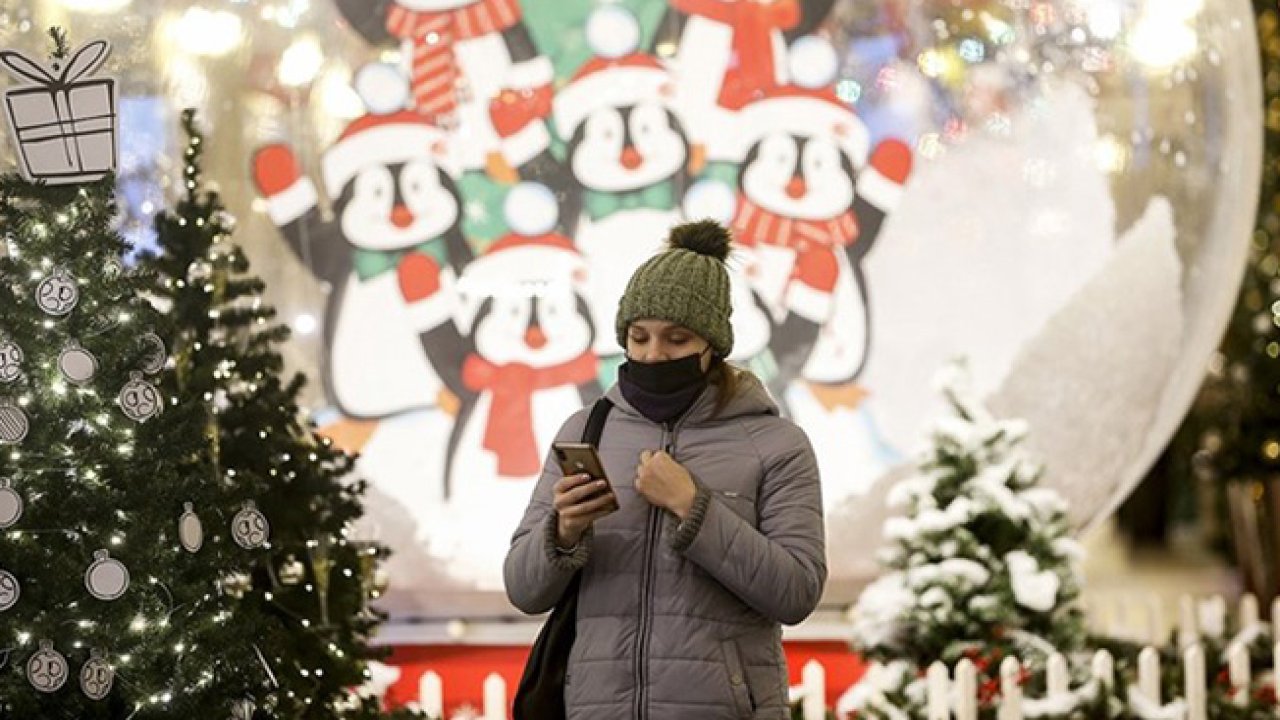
(712, 536)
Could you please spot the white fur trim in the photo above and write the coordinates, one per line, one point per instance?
(807, 117)
(531, 73)
(528, 141)
(611, 87)
(810, 303)
(434, 309)
(291, 203)
(383, 145)
(506, 270)
(879, 190)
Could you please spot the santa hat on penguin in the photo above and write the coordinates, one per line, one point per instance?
(389, 133)
(531, 255)
(811, 107)
(618, 76)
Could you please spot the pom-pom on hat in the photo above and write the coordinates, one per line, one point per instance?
(686, 284)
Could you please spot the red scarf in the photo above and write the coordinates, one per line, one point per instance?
(753, 224)
(752, 67)
(435, 72)
(509, 432)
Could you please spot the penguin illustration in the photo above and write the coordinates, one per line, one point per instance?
(812, 198)
(629, 157)
(394, 242)
(528, 335)
(462, 57)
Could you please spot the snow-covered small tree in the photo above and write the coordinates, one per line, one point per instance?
(981, 565)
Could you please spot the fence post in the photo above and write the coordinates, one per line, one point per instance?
(1213, 617)
(1275, 612)
(1238, 672)
(1149, 674)
(1104, 670)
(495, 697)
(966, 690)
(1193, 664)
(1057, 679)
(814, 680)
(1010, 690)
(1275, 664)
(431, 695)
(1155, 620)
(1248, 611)
(1187, 634)
(939, 685)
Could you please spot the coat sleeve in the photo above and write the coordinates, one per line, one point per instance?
(780, 568)
(535, 572)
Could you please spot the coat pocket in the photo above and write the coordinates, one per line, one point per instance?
(743, 702)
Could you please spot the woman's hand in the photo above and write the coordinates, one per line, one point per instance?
(578, 501)
(665, 483)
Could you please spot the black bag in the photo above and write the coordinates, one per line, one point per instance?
(540, 695)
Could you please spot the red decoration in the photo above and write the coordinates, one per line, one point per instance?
(464, 668)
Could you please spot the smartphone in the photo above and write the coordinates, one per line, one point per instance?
(577, 457)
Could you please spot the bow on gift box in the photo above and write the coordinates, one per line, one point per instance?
(85, 61)
(58, 144)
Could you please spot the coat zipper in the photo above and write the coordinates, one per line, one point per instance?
(668, 445)
(642, 640)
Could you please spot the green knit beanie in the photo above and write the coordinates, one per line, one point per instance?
(686, 284)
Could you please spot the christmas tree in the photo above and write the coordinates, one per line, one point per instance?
(301, 610)
(981, 566)
(107, 603)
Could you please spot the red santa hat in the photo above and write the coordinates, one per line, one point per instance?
(388, 134)
(531, 255)
(616, 77)
(809, 107)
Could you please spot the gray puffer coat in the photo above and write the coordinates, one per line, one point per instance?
(682, 621)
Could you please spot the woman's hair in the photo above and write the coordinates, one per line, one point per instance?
(728, 380)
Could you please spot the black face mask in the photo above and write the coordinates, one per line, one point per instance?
(662, 391)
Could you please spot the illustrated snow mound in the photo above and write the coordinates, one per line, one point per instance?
(1090, 383)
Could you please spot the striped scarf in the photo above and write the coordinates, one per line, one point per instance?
(435, 76)
(754, 225)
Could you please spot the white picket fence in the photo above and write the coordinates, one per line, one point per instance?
(811, 692)
(957, 696)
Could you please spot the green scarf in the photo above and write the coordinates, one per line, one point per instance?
(659, 196)
(370, 264)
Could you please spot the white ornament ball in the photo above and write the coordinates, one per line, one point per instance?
(249, 528)
(107, 578)
(47, 668)
(58, 294)
(383, 88)
(10, 505)
(812, 62)
(77, 365)
(96, 676)
(710, 199)
(10, 590)
(612, 32)
(190, 529)
(530, 209)
(11, 357)
(139, 399)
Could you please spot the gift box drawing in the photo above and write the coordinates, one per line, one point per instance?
(64, 120)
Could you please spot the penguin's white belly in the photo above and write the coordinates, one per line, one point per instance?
(376, 364)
